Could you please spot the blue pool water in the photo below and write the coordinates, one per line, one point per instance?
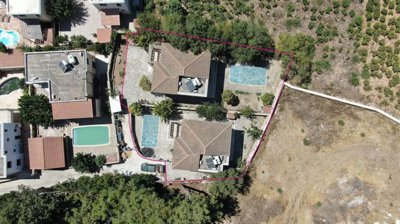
(248, 75)
(150, 131)
(10, 38)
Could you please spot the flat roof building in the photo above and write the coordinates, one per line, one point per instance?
(66, 82)
(28, 9)
(11, 152)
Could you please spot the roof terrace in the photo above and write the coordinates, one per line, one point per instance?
(63, 82)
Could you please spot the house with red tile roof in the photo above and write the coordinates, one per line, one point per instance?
(180, 73)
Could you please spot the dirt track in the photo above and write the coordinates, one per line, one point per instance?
(314, 170)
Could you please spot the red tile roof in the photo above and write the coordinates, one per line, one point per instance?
(46, 153)
(104, 35)
(110, 18)
(14, 60)
(72, 110)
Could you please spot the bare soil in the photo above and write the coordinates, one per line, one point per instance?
(340, 174)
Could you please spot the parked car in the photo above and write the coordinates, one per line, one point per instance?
(147, 167)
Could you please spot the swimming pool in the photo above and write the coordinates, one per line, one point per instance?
(247, 75)
(150, 131)
(92, 135)
(10, 38)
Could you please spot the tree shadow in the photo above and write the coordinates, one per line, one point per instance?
(80, 14)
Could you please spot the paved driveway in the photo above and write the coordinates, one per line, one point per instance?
(87, 22)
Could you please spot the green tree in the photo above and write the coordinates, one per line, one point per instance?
(145, 83)
(35, 109)
(3, 48)
(164, 109)
(61, 9)
(31, 206)
(211, 111)
(254, 132)
(144, 37)
(247, 111)
(196, 209)
(229, 187)
(303, 48)
(267, 99)
(230, 98)
(85, 163)
(136, 109)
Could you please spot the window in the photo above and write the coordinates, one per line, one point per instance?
(18, 137)
(5, 152)
(119, 5)
(9, 164)
(93, 64)
(103, 4)
(18, 162)
(8, 139)
(5, 130)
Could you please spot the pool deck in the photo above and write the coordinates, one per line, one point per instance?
(110, 150)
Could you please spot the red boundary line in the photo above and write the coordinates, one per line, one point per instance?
(262, 138)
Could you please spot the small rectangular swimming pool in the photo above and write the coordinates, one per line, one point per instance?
(248, 75)
(150, 131)
(91, 135)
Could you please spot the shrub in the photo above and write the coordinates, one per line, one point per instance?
(136, 109)
(100, 160)
(254, 132)
(341, 122)
(321, 65)
(145, 83)
(354, 80)
(211, 111)
(267, 99)
(3, 48)
(230, 98)
(306, 141)
(290, 8)
(78, 41)
(164, 109)
(246, 111)
(293, 23)
(85, 163)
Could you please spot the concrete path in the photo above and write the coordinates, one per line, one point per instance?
(391, 117)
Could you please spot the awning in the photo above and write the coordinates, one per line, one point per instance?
(104, 35)
(110, 17)
(31, 29)
(115, 104)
